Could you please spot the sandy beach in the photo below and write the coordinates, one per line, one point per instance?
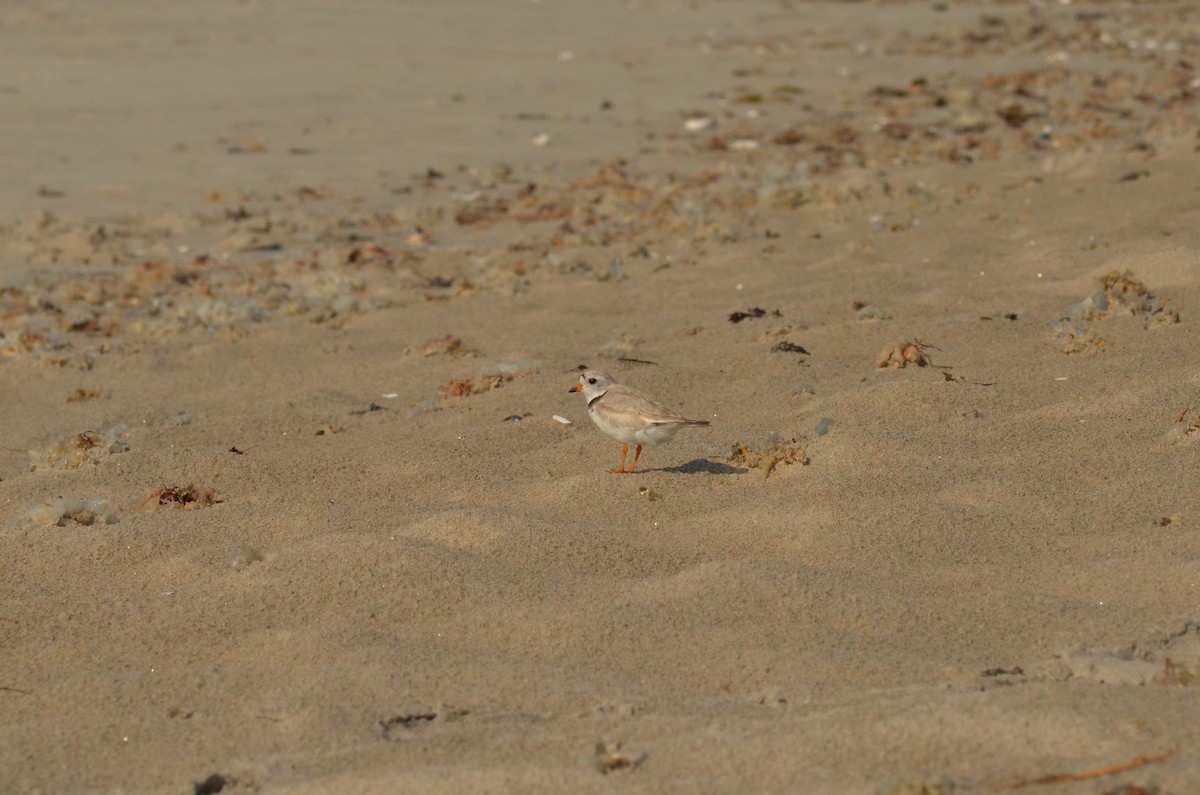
(294, 497)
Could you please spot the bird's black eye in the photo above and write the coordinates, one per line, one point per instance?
(591, 380)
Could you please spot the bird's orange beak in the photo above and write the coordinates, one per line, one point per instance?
(576, 388)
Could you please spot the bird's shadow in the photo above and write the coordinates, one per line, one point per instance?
(701, 466)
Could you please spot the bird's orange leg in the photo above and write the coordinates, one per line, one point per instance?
(624, 452)
(636, 455)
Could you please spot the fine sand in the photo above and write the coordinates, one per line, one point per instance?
(291, 293)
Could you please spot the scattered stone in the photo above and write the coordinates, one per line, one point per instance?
(867, 312)
(58, 512)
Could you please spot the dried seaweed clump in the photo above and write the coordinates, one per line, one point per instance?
(1177, 674)
(1073, 337)
(1131, 296)
(79, 450)
(489, 378)
(902, 354)
(465, 387)
(82, 395)
(448, 345)
(1122, 293)
(64, 509)
(777, 451)
(1118, 293)
(613, 756)
(1184, 430)
(1171, 659)
(187, 497)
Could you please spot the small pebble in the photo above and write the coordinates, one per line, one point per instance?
(1091, 307)
(869, 312)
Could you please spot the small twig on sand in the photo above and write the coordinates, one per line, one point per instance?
(1099, 772)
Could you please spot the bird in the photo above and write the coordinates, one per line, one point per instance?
(629, 415)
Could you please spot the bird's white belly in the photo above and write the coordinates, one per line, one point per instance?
(649, 435)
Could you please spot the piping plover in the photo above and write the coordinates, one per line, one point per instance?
(627, 415)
